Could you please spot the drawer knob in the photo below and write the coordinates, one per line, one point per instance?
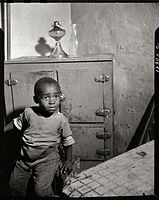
(104, 136)
(103, 112)
(103, 152)
(102, 78)
(11, 82)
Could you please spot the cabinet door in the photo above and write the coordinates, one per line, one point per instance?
(86, 92)
(87, 142)
(83, 95)
(22, 93)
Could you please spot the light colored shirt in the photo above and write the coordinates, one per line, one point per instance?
(43, 131)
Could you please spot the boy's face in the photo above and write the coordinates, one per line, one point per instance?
(48, 98)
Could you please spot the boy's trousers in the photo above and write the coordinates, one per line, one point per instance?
(42, 170)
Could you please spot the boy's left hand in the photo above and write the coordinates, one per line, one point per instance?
(66, 167)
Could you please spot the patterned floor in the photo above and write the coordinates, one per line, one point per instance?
(128, 174)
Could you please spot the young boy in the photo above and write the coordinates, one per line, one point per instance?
(42, 128)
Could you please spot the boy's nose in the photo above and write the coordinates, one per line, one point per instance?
(51, 100)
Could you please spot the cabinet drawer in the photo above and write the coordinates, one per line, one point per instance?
(84, 95)
(87, 143)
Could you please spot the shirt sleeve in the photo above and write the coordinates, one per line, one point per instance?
(19, 121)
(68, 141)
(67, 134)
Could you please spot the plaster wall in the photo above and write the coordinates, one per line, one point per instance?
(126, 30)
(29, 26)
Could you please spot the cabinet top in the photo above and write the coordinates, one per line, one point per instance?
(44, 59)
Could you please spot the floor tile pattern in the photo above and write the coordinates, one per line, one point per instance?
(131, 173)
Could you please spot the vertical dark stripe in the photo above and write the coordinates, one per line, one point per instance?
(2, 104)
(156, 57)
(2, 15)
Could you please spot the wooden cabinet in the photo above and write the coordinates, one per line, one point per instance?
(88, 86)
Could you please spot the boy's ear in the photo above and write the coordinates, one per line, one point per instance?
(35, 99)
(62, 97)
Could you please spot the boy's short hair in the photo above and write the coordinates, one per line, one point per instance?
(45, 80)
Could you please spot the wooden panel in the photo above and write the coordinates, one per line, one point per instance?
(19, 70)
(28, 67)
(108, 103)
(46, 59)
(83, 95)
(86, 142)
(23, 92)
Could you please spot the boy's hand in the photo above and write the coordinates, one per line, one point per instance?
(67, 167)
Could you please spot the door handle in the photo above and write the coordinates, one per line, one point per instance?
(103, 112)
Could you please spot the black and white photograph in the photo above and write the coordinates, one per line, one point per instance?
(87, 72)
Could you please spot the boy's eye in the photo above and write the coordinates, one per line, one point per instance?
(56, 96)
(45, 97)
(48, 97)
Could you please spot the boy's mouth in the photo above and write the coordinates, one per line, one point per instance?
(52, 107)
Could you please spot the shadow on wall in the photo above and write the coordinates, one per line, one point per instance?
(43, 48)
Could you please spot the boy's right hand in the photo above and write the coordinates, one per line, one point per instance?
(66, 167)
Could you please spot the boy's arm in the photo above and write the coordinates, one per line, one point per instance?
(17, 123)
(68, 141)
(67, 166)
(9, 127)
(68, 152)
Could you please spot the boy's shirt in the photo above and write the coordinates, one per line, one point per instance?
(43, 132)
